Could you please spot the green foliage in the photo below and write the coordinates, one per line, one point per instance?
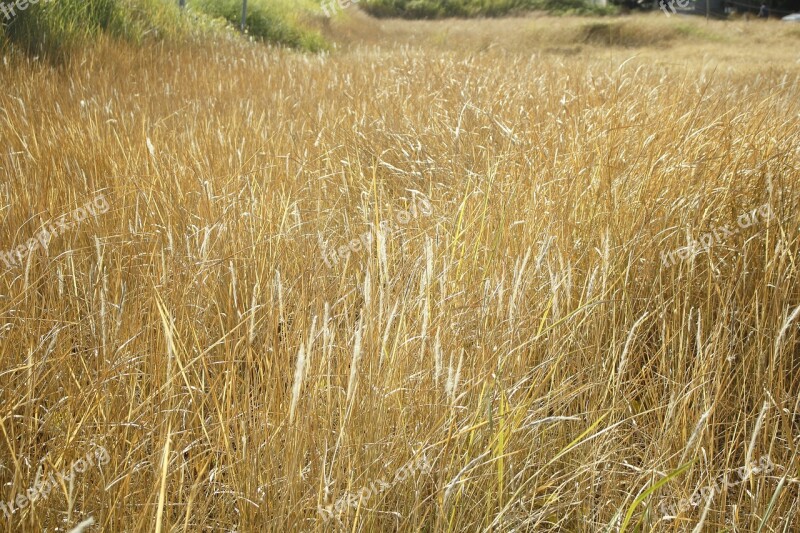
(53, 28)
(432, 9)
(275, 22)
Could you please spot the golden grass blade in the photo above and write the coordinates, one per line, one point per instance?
(641, 497)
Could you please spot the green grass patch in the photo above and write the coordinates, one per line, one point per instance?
(278, 22)
(54, 29)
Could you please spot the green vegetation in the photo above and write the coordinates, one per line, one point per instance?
(433, 9)
(278, 22)
(55, 28)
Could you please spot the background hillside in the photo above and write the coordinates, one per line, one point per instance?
(55, 28)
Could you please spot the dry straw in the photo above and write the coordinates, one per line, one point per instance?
(560, 156)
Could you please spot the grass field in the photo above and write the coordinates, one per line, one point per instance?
(579, 314)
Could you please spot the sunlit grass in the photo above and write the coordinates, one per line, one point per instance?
(524, 336)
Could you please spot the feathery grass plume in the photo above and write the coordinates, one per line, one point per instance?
(785, 327)
(352, 382)
(367, 291)
(486, 296)
(748, 460)
(82, 526)
(452, 483)
(234, 297)
(499, 292)
(428, 261)
(424, 303)
(519, 271)
(543, 251)
(312, 335)
(699, 527)
(698, 429)
(555, 308)
(251, 337)
(298, 379)
(624, 357)
(103, 333)
(605, 259)
(453, 377)
(383, 260)
(387, 329)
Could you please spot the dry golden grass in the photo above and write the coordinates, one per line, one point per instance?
(524, 338)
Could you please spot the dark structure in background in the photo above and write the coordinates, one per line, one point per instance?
(777, 8)
(722, 8)
(713, 7)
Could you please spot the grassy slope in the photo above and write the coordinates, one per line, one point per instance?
(57, 28)
(278, 21)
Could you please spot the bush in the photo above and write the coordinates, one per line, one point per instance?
(272, 22)
(54, 28)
